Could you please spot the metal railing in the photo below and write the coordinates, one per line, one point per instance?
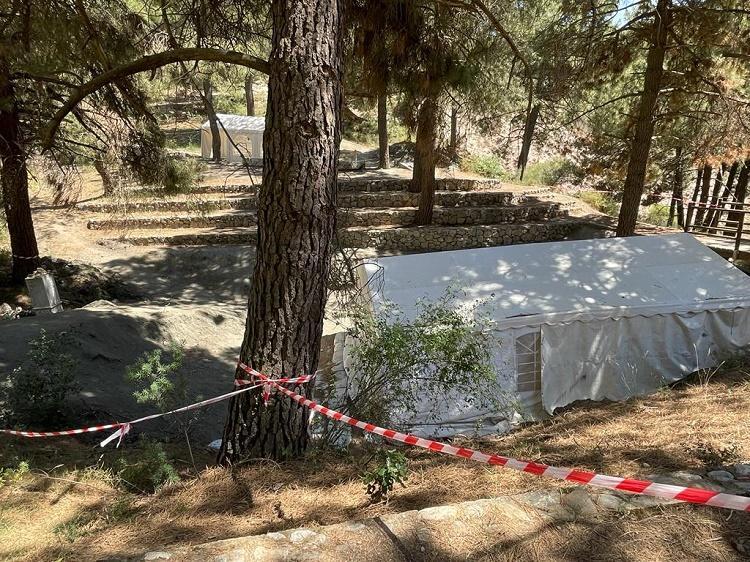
(725, 220)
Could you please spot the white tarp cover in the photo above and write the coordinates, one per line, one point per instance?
(618, 316)
(246, 132)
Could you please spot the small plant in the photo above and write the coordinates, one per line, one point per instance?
(657, 214)
(13, 475)
(78, 527)
(39, 386)
(181, 175)
(147, 471)
(391, 470)
(601, 201)
(486, 165)
(162, 382)
(547, 172)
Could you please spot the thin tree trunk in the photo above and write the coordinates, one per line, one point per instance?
(296, 226)
(677, 191)
(108, 183)
(714, 200)
(425, 159)
(694, 198)
(454, 132)
(726, 193)
(644, 126)
(528, 136)
(384, 149)
(249, 95)
(15, 182)
(741, 192)
(213, 122)
(704, 192)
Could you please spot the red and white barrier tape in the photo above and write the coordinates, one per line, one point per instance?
(266, 385)
(124, 427)
(643, 487)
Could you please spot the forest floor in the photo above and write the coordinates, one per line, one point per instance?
(70, 504)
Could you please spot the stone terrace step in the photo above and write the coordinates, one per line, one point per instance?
(384, 238)
(442, 216)
(199, 204)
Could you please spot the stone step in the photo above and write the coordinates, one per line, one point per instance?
(442, 216)
(412, 238)
(198, 204)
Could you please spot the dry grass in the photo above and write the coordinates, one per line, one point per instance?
(94, 519)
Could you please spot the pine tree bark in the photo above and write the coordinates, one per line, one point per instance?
(676, 206)
(249, 95)
(454, 132)
(528, 136)
(384, 150)
(704, 192)
(725, 195)
(694, 198)
(14, 177)
(740, 192)
(213, 122)
(108, 182)
(425, 159)
(644, 126)
(296, 226)
(714, 199)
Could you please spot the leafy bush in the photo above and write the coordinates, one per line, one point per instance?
(657, 214)
(39, 386)
(11, 475)
(547, 172)
(391, 470)
(486, 165)
(162, 382)
(397, 361)
(181, 175)
(601, 201)
(148, 470)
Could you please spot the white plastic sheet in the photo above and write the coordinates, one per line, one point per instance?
(615, 359)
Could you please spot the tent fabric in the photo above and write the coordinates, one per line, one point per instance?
(245, 131)
(615, 359)
(575, 320)
(552, 282)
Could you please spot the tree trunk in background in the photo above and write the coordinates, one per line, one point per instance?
(704, 192)
(213, 122)
(694, 198)
(108, 183)
(714, 199)
(677, 190)
(741, 192)
(644, 126)
(726, 193)
(384, 149)
(425, 159)
(249, 95)
(528, 136)
(15, 182)
(296, 226)
(454, 132)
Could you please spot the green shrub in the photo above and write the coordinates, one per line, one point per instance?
(547, 172)
(391, 470)
(147, 470)
(39, 386)
(12, 475)
(657, 214)
(181, 175)
(486, 165)
(601, 201)
(161, 382)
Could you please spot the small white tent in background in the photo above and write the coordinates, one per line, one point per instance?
(579, 320)
(245, 131)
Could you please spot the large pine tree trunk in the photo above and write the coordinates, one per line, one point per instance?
(15, 182)
(726, 193)
(454, 132)
(704, 192)
(213, 122)
(714, 200)
(740, 193)
(644, 126)
(296, 225)
(425, 159)
(249, 95)
(384, 150)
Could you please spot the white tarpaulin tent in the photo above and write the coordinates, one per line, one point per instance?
(592, 319)
(245, 131)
